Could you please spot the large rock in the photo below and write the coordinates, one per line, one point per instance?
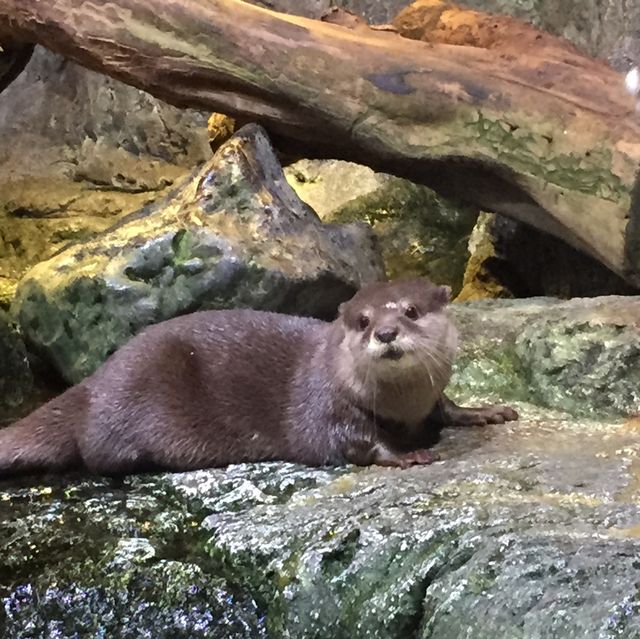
(581, 356)
(80, 150)
(522, 531)
(234, 234)
(419, 232)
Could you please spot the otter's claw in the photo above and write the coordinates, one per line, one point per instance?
(484, 415)
(421, 456)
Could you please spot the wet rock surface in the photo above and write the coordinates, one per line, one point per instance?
(522, 530)
(232, 235)
(581, 356)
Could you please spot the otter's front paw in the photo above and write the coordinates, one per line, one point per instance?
(421, 456)
(484, 415)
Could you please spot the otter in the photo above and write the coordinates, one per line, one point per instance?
(214, 388)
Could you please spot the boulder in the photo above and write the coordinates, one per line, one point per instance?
(419, 232)
(233, 234)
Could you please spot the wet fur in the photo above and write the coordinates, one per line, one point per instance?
(220, 387)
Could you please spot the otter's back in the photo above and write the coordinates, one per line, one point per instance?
(222, 377)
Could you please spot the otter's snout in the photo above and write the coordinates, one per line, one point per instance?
(386, 334)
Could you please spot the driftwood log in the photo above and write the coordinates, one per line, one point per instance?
(512, 120)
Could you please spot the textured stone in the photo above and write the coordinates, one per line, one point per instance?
(79, 151)
(581, 356)
(523, 530)
(232, 235)
(596, 26)
(419, 232)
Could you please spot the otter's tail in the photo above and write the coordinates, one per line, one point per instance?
(45, 440)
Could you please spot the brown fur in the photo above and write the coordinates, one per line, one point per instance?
(220, 387)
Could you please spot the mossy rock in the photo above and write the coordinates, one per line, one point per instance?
(581, 356)
(513, 534)
(232, 234)
(419, 233)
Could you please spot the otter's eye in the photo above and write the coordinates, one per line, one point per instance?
(411, 312)
(363, 322)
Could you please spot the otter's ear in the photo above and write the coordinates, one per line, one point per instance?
(443, 295)
(342, 308)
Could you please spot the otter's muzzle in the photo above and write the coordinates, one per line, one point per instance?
(386, 334)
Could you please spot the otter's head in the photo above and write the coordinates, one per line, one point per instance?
(397, 330)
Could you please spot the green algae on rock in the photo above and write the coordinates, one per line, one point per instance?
(234, 234)
(105, 558)
(511, 516)
(581, 356)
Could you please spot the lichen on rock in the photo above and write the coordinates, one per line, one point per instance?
(580, 356)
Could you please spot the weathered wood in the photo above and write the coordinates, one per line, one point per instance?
(539, 132)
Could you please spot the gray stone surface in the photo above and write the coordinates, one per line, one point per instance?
(596, 26)
(80, 150)
(232, 235)
(581, 356)
(88, 127)
(526, 530)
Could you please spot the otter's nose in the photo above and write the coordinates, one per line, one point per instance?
(386, 334)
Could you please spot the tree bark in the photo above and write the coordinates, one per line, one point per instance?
(531, 130)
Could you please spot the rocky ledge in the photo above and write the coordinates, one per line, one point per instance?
(523, 530)
(529, 529)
